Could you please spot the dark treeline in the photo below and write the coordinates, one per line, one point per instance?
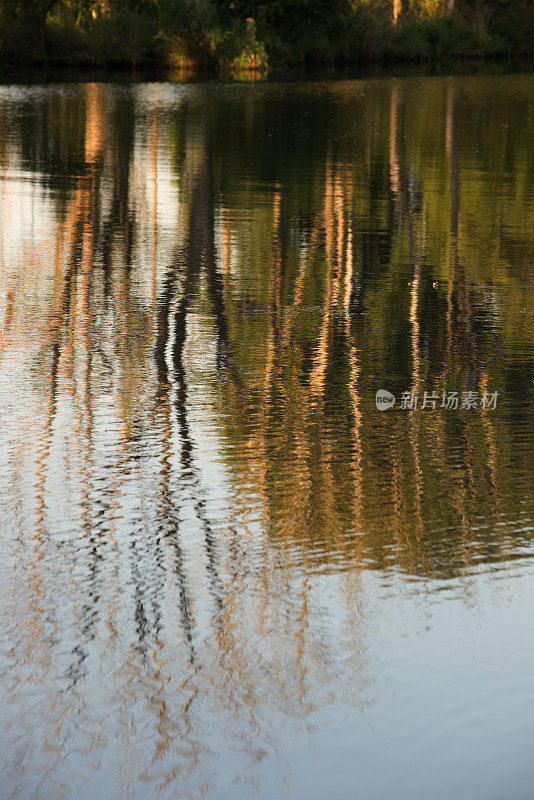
(252, 36)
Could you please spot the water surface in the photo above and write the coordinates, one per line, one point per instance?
(225, 573)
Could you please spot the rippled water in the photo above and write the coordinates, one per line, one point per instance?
(224, 572)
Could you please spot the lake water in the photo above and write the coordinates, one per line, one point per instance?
(225, 573)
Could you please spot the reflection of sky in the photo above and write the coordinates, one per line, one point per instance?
(447, 683)
(398, 688)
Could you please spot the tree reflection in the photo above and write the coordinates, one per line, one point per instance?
(215, 310)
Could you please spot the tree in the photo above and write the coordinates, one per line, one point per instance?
(30, 16)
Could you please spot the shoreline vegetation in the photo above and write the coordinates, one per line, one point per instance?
(221, 36)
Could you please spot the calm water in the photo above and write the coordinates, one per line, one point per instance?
(224, 573)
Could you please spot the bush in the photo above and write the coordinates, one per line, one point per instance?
(291, 33)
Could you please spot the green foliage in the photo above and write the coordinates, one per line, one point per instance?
(187, 16)
(252, 56)
(125, 35)
(22, 29)
(289, 33)
(251, 59)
